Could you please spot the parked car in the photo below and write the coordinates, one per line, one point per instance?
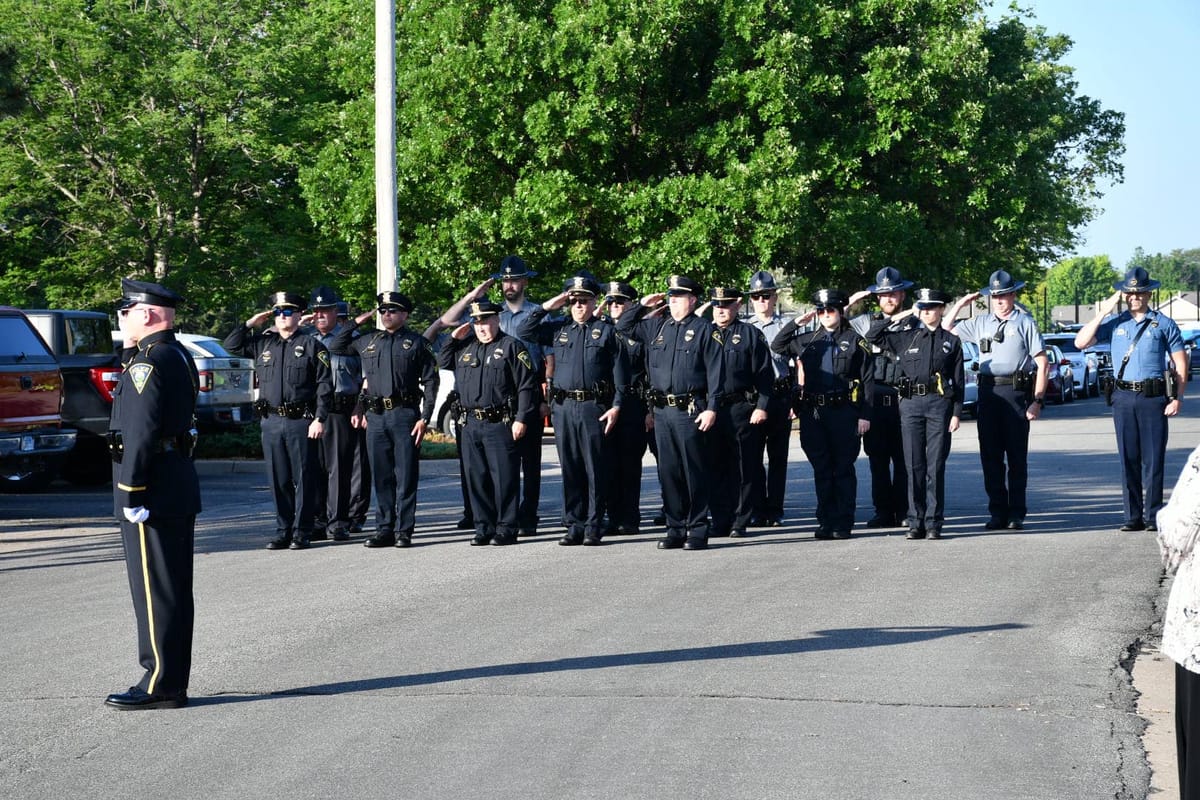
(227, 383)
(970, 378)
(1060, 378)
(1191, 339)
(82, 343)
(1085, 364)
(33, 441)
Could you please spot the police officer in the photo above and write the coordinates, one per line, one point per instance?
(400, 383)
(495, 379)
(930, 388)
(883, 442)
(741, 416)
(630, 436)
(1012, 392)
(295, 386)
(156, 492)
(768, 505)
(686, 369)
(514, 277)
(586, 397)
(337, 452)
(1147, 389)
(360, 474)
(833, 405)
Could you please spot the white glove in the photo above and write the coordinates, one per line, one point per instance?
(136, 515)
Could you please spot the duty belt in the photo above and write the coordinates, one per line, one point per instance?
(784, 384)
(378, 405)
(661, 399)
(289, 410)
(183, 443)
(343, 403)
(490, 413)
(738, 396)
(1151, 387)
(997, 380)
(825, 399)
(580, 395)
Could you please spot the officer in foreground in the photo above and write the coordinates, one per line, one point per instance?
(400, 383)
(741, 417)
(833, 405)
(1012, 393)
(768, 505)
(295, 386)
(495, 379)
(685, 368)
(1145, 390)
(883, 442)
(156, 493)
(586, 397)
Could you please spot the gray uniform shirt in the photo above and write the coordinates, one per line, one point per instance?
(770, 328)
(1021, 342)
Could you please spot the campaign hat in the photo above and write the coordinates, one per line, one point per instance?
(512, 267)
(323, 297)
(1001, 283)
(887, 280)
(1137, 281)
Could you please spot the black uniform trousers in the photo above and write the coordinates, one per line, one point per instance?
(584, 453)
(772, 480)
(629, 439)
(158, 559)
(737, 467)
(293, 469)
(829, 438)
(337, 453)
(684, 471)
(1004, 436)
(884, 447)
(1187, 732)
(492, 460)
(360, 479)
(1142, 446)
(925, 425)
(530, 447)
(395, 466)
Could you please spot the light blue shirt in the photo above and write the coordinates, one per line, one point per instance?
(1150, 357)
(770, 329)
(1022, 342)
(510, 320)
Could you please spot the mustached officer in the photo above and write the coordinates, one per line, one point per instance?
(834, 405)
(295, 389)
(156, 492)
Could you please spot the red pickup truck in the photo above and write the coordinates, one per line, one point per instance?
(33, 442)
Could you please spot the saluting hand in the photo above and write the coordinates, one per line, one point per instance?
(461, 331)
(260, 318)
(555, 303)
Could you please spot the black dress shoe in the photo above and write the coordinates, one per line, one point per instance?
(628, 530)
(380, 540)
(502, 539)
(737, 533)
(841, 534)
(465, 524)
(279, 543)
(525, 533)
(356, 527)
(718, 534)
(591, 540)
(995, 524)
(480, 539)
(1134, 525)
(881, 521)
(404, 539)
(571, 540)
(670, 543)
(660, 519)
(1151, 526)
(340, 535)
(915, 533)
(318, 535)
(136, 699)
(695, 543)
(300, 542)
(935, 533)
(1016, 524)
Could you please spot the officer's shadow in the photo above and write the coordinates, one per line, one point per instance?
(832, 639)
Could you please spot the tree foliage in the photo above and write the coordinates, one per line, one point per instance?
(1079, 281)
(1177, 271)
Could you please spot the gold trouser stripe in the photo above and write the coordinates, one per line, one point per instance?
(149, 609)
(125, 488)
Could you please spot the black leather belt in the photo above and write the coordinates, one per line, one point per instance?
(490, 413)
(996, 380)
(377, 405)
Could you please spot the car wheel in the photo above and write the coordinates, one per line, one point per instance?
(34, 479)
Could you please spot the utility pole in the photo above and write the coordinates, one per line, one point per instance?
(387, 235)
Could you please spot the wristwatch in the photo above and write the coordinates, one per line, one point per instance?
(1040, 400)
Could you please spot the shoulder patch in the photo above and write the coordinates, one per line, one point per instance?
(323, 357)
(523, 357)
(140, 375)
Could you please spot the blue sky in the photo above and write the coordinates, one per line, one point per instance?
(1142, 58)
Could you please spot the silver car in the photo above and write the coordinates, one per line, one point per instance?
(227, 383)
(1085, 366)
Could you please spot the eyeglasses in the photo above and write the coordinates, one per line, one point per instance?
(390, 310)
(286, 313)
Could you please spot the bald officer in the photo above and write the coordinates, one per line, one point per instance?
(156, 492)
(1149, 389)
(1012, 392)
(686, 368)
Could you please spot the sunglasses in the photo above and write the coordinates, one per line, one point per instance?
(579, 301)
(828, 310)
(284, 312)
(390, 310)
(760, 297)
(617, 301)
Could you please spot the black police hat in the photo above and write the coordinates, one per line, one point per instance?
(513, 267)
(682, 284)
(288, 300)
(152, 294)
(622, 290)
(762, 282)
(582, 282)
(1001, 283)
(830, 298)
(927, 298)
(483, 308)
(323, 297)
(1137, 281)
(396, 299)
(725, 295)
(887, 280)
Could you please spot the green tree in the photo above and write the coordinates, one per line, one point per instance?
(636, 138)
(1177, 271)
(1080, 280)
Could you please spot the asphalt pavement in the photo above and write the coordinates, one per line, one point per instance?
(986, 664)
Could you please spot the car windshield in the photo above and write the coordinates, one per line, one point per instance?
(206, 347)
(21, 343)
(1064, 343)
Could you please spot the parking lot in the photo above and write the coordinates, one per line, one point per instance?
(776, 666)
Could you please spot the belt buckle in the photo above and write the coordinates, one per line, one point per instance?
(671, 401)
(920, 390)
(387, 403)
(820, 399)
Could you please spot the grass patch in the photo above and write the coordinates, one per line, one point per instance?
(246, 444)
